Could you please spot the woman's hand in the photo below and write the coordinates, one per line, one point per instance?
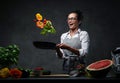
(62, 46)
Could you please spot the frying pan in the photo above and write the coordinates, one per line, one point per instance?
(44, 45)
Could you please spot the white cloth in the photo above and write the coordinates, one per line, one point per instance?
(84, 39)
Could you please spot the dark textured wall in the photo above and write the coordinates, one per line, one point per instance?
(101, 20)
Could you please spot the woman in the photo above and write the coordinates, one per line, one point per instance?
(74, 43)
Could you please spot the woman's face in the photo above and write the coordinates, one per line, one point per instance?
(72, 21)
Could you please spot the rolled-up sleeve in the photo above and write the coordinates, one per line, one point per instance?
(85, 40)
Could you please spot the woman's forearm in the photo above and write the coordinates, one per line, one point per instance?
(75, 51)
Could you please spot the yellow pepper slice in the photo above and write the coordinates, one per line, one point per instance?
(39, 16)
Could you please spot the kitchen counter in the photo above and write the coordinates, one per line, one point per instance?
(62, 77)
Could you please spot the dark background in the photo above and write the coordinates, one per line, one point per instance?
(101, 20)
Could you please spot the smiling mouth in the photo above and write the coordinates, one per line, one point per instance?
(71, 24)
